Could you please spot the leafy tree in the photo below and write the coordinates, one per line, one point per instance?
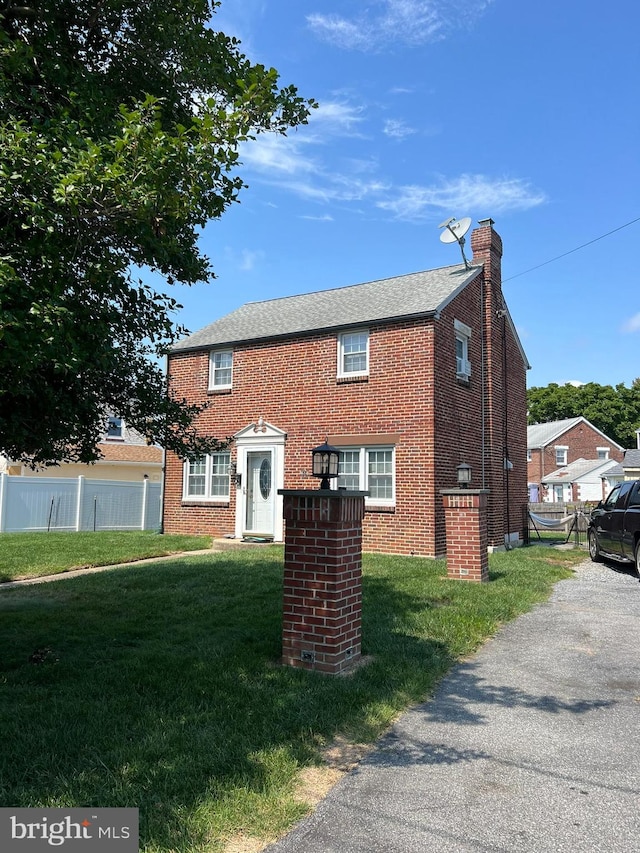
(613, 410)
(120, 124)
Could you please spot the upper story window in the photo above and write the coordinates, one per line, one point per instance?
(603, 452)
(369, 469)
(115, 427)
(220, 369)
(463, 337)
(528, 455)
(207, 478)
(561, 455)
(353, 353)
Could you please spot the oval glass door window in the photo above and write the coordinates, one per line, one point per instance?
(265, 478)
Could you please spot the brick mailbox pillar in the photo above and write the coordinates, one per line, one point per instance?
(322, 602)
(465, 513)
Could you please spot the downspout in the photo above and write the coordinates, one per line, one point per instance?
(505, 454)
(483, 382)
(164, 454)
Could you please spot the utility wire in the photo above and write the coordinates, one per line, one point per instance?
(571, 251)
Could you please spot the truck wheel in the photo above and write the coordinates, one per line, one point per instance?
(637, 557)
(594, 548)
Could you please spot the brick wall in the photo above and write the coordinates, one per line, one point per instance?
(322, 594)
(411, 394)
(465, 515)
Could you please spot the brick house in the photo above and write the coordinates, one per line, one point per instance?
(408, 377)
(556, 444)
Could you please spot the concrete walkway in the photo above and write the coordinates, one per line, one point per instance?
(532, 745)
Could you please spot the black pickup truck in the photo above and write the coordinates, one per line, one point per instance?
(614, 528)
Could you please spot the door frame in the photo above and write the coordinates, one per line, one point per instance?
(260, 437)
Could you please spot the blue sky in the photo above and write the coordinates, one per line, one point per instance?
(524, 112)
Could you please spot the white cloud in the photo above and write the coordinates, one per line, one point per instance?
(465, 193)
(302, 164)
(397, 129)
(249, 259)
(632, 324)
(324, 218)
(336, 117)
(274, 154)
(390, 23)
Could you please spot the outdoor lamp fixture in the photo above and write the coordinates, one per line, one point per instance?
(464, 475)
(325, 463)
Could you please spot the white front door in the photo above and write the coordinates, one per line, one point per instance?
(260, 493)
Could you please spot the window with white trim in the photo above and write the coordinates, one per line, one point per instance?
(115, 427)
(528, 455)
(603, 452)
(207, 478)
(561, 455)
(353, 353)
(462, 338)
(220, 369)
(369, 469)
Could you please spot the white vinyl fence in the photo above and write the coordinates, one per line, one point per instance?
(59, 503)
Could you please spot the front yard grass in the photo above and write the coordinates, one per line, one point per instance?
(31, 555)
(159, 686)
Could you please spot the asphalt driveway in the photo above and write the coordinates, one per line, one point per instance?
(531, 745)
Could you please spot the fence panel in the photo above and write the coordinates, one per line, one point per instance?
(32, 504)
(59, 503)
(153, 508)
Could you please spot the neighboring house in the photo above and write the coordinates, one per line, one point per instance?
(611, 478)
(579, 481)
(125, 456)
(408, 377)
(631, 464)
(556, 444)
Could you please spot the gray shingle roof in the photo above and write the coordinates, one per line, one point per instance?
(631, 459)
(616, 471)
(420, 293)
(540, 435)
(579, 469)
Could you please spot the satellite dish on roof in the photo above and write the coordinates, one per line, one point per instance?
(454, 231)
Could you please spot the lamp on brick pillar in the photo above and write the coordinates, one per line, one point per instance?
(464, 475)
(325, 463)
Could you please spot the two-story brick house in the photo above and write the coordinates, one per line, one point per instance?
(408, 377)
(554, 444)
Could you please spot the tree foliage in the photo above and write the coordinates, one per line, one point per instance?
(119, 132)
(613, 410)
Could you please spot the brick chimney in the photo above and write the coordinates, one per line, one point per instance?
(504, 396)
(487, 251)
(486, 245)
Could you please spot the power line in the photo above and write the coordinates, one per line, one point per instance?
(571, 251)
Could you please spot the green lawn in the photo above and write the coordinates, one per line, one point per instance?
(158, 686)
(30, 555)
